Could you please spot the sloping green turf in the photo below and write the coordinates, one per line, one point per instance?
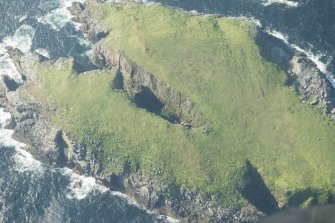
(217, 65)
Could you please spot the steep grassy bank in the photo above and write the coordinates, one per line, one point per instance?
(215, 62)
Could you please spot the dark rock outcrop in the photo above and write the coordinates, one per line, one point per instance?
(313, 86)
(95, 31)
(175, 200)
(52, 146)
(30, 123)
(163, 100)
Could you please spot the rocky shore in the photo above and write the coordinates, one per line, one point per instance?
(54, 146)
(51, 145)
(304, 77)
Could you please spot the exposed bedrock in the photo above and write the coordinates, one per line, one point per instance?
(147, 91)
(28, 119)
(175, 200)
(53, 146)
(313, 86)
(95, 31)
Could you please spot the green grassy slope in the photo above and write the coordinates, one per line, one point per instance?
(216, 63)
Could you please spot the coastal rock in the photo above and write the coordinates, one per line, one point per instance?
(174, 200)
(165, 101)
(312, 86)
(30, 125)
(95, 31)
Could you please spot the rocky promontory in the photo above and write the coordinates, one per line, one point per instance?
(55, 145)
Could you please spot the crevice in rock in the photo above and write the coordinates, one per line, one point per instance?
(146, 91)
(147, 100)
(83, 64)
(94, 31)
(252, 187)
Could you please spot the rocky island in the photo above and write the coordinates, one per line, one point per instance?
(199, 117)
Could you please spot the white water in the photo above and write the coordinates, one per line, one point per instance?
(315, 58)
(81, 186)
(24, 160)
(287, 3)
(59, 15)
(22, 39)
(6, 134)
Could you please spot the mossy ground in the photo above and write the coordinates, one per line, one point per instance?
(216, 63)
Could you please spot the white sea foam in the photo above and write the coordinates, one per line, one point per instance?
(315, 58)
(81, 186)
(22, 39)
(59, 16)
(287, 3)
(169, 219)
(43, 52)
(6, 134)
(24, 160)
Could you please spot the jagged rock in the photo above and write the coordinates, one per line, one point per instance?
(311, 84)
(307, 80)
(95, 31)
(50, 145)
(77, 185)
(165, 101)
(76, 9)
(177, 201)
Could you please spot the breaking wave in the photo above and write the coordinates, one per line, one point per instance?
(287, 3)
(58, 15)
(317, 59)
(22, 39)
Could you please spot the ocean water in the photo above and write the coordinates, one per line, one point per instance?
(33, 192)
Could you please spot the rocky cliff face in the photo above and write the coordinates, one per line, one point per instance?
(53, 146)
(313, 86)
(164, 100)
(31, 126)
